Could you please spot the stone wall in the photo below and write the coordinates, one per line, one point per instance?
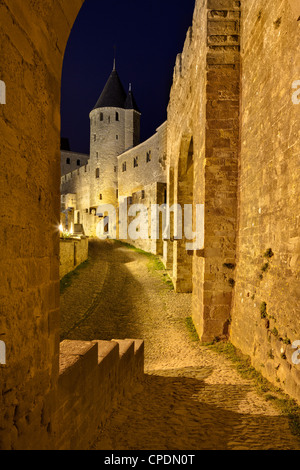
(33, 36)
(266, 307)
(94, 378)
(151, 164)
(203, 138)
(71, 161)
(72, 254)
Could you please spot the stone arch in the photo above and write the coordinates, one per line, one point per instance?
(183, 195)
(31, 67)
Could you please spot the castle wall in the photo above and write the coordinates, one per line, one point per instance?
(203, 113)
(146, 183)
(72, 254)
(135, 179)
(94, 377)
(32, 40)
(74, 158)
(269, 202)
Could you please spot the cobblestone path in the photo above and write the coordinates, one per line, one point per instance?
(191, 398)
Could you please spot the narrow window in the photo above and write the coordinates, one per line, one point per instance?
(135, 162)
(97, 173)
(101, 117)
(117, 116)
(78, 162)
(148, 157)
(143, 194)
(68, 161)
(117, 137)
(95, 137)
(97, 155)
(124, 167)
(108, 119)
(100, 197)
(115, 169)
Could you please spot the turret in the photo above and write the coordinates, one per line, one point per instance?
(115, 127)
(132, 121)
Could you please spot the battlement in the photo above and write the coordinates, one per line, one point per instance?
(93, 378)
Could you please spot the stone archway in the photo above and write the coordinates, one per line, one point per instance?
(33, 38)
(183, 195)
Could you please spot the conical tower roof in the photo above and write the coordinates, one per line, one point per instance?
(113, 94)
(130, 102)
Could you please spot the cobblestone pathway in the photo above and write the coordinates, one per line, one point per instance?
(191, 397)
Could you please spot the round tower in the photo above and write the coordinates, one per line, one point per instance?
(115, 127)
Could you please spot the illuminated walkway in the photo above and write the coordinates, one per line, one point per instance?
(191, 397)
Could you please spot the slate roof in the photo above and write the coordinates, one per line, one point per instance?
(130, 102)
(114, 95)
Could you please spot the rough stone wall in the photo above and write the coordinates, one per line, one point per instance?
(186, 116)
(33, 36)
(204, 107)
(76, 189)
(94, 378)
(269, 202)
(72, 254)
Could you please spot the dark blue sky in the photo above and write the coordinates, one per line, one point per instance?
(148, 35)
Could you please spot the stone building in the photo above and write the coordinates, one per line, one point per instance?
(232, 143)
(71, 161)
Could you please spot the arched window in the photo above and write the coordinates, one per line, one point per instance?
(117, 116)
(97, 173)
(68, 161)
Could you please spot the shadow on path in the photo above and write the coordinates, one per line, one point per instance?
(174, 411)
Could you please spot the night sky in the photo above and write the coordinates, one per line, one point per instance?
(148, 34)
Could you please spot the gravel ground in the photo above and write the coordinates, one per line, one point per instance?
(191, 398)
